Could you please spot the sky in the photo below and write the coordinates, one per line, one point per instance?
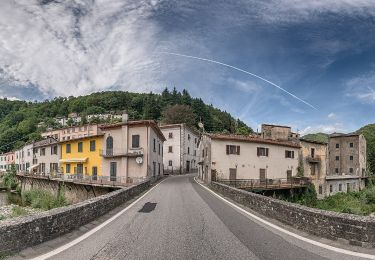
(306, 64)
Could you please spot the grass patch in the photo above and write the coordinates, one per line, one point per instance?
(43, 199)
(2, 217)
(18, 211)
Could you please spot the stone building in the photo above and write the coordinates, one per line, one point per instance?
(132, 150)
(231, 157)
(46, 155)
(277, 132)
(180, 149)
(347, 163)
(314, 162)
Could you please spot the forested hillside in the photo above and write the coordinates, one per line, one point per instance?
(19, 119)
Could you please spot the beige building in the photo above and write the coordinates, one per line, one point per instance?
(46, 155)
(277, 132)
(314, 162)
(73, 132)
(180, 149)
(132, 150)
(231, 157)
(347, 163)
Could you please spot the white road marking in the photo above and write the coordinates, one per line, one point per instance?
(92, 231)
(332, 248)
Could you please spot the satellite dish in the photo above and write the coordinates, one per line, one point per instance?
(200, 124)
(139, 160)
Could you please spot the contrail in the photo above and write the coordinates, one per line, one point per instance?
(244, 71)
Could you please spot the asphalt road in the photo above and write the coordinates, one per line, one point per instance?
(179, 219)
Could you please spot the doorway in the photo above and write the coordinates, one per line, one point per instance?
(187, 166)
(113, 171)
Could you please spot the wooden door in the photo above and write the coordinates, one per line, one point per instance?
(262, 175)
(289, 175)
(232, 174)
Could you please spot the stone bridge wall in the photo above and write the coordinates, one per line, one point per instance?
(356, 230)
(19, 233)
(74, 192)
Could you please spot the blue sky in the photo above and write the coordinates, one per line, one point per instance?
(321, 51)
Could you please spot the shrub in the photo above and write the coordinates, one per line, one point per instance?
(44, 199)
(18, 211)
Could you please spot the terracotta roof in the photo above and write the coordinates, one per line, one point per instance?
(45, 142)
(150, 123)
(334, 135)
(276, 125)
(253, 139)
(179, 125)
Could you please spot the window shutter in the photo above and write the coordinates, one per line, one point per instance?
(238, 149)
(227, 149)
(257, 151)
(286, 154)
(266, 151)
(293, 154)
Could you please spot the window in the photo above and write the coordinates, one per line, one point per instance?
(68, 148)
(351, 145)
(337, 158)
(54, 149)
(262, 151)
(195, 140)
(159, 149)
(340, 187)
(188, 150)
(195, 153)
(330, 188)
(351, 170)
(170, 135)
(158, 168)
(154, 145)
(188, 137)
(351, 157)
(135, 141)
(336, 170)
(92, 145)
(348, 187)
(170, 163)
(42, 151)
(312, 152)
(233, 149)
(154, 168)
(289, 154)
(109, 145)
(80, 147)
(320, 189)
(170, 149)
(337, 145)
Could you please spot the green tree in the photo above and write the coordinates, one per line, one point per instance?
(179, 114)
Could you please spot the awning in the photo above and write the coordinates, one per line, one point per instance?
(73, 160)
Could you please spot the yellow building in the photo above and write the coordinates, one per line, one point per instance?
(81, 156)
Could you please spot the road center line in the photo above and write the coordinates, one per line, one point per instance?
(92, 231)
(250, 215)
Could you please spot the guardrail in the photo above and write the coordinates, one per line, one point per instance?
(117, 181)
(267, 184)
(121, 152)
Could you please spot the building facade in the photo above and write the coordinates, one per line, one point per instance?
(132, 150)
(74, 132)
(347, 163)
(24, 158)
(81, 156)
(2, 163)
(277, 132)
(314, 162)
(180, 149)
(9, 160)
(231, 157)
(46, 155)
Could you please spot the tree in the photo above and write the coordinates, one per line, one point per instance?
(178, 114)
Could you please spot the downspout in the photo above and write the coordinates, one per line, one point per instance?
(181, 152)
(127, 149)
(148, 151)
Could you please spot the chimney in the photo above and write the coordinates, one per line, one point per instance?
(125, 117)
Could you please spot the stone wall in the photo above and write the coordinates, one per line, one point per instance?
(19, 233)
(74, 192)
(357, 230)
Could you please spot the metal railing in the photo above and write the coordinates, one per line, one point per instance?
(121, 152)
(267, 184)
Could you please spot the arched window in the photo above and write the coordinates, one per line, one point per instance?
(109, 145)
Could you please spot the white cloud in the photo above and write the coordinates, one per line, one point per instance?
(328, 129)
(244, 86)
(362, 88)
(302, 10)
(76, 47)
(9, 98)
(331, 115)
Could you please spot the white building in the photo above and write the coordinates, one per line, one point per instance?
(231, 157)
(3, 163)
(180, 149)
(24, 158)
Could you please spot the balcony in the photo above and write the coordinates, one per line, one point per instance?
(112, 153)
(313, 159)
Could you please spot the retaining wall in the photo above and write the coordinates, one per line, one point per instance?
(19, 233)
(356, 230)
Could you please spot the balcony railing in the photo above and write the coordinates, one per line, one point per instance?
(110, 153)
(313, 159)
(267, 184)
